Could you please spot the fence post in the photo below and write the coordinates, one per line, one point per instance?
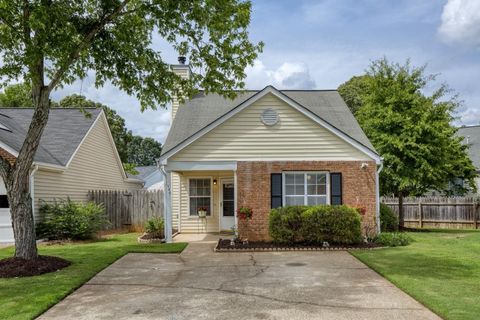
(420, 214)
(475, 212)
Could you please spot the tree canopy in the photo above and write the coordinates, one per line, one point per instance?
(412, 130)
(52, 43)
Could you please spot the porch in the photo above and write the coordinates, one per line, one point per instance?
(193, 191)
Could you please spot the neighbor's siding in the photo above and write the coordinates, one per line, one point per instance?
(94, 167)
(192, 224)
(245, 137)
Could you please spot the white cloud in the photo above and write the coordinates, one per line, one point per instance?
(290, 75)
(461, 22)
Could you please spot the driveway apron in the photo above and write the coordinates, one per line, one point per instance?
(202, 284)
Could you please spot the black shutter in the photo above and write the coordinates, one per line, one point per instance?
(276, 190)
(335, 188)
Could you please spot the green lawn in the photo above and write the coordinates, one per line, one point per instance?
(441, 269)
(26, 298)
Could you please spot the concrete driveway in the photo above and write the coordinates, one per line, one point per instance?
(201, 284)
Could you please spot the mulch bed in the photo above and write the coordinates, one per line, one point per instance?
(17, 267)
(150, 238)
(224, 245)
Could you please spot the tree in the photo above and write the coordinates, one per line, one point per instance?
(52, 43)
(352, 90)
(121, 135)
(143, 151)
(133, 150)
(17, 95)
(412, 130)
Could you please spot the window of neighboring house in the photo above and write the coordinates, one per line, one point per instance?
(3, 201)
(200, 195)
(305, 188)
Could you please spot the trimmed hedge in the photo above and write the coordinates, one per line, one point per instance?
(315, 224)
(388, 218)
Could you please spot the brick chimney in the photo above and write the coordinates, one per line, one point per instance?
(183, 70)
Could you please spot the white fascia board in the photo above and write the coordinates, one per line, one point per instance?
(10, 150)
(201, 166)
(83, 139)
(281, 96)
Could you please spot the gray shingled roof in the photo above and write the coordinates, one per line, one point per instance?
(472, 137)
(64, 132)
(203, 109)
(143, 172)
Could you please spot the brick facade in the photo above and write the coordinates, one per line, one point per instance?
(7, 156)
(253, 189)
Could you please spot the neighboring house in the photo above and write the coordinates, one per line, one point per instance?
(264, 149)
(76, 154)
(150, 175)
(471, 137)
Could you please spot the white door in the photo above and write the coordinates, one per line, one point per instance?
(227, 204)
(6, 231)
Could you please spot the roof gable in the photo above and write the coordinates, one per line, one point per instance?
(65, 130)
(203, 113)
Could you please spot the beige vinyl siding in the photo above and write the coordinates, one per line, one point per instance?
(94, 167)
(175, 182)
(245, 137)
(192, 224)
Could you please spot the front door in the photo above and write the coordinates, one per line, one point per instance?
(227, 204)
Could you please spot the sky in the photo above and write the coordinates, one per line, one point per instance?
(321, 44)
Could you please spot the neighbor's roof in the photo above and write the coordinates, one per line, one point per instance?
(202, 110)
(143, 172)
(65, 129)
(472, 137)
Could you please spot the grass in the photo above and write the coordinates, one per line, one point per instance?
(440, 269)
(26, 298)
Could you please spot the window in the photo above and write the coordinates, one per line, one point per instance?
(200, 195)
(305, 188)
(3, 201)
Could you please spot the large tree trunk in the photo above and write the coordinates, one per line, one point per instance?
(17, 178)
(400, 210)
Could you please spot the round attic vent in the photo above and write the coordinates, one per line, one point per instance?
(269, 117)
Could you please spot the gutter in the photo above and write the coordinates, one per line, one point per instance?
(32, 188)
(377, 191)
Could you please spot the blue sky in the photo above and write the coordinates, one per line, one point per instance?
(321, 44)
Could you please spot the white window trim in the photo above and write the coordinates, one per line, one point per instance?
(327, 174)
(211, 197)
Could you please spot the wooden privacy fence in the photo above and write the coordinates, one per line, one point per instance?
(129, 209)
(438, 212)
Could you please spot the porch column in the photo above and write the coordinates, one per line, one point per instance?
(235, 201)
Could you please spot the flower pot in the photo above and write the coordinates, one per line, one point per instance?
(202, 214)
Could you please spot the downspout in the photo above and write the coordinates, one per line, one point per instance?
(32, 189)
(377, 187)
(167, 204)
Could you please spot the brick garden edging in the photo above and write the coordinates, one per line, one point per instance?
(293, 248)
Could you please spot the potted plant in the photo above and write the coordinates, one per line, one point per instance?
(244, 213)
(202, 212)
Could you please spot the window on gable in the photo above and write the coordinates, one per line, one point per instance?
(305, 188)
(200, 195)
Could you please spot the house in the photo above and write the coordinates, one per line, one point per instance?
(265, 148)
(150, 175)
(76, 154)
(471, 137)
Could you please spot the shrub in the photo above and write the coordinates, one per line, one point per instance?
(284, 224)
(155, 227)
(70, 220)
(313, 225)
(388, 218)
(393, 239)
